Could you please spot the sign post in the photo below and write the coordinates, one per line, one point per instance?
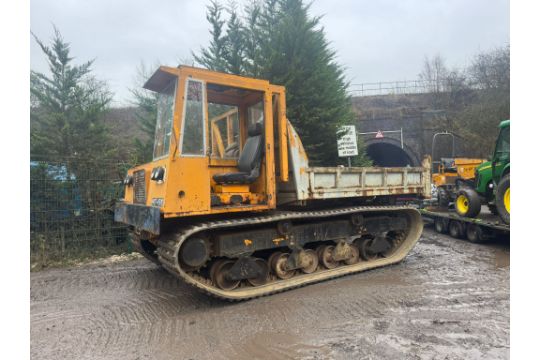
(346, 142)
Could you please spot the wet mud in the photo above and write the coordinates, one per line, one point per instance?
(449, 299)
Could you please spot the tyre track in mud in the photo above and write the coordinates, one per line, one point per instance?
(448, 298)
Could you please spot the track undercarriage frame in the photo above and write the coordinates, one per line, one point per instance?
(253, 256)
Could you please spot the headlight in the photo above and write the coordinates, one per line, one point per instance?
(128, 180)
(158, 174)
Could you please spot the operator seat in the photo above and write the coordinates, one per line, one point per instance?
(449, 164)
(250, 159)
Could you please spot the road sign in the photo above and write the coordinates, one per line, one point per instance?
(347, 145)
(379, 135)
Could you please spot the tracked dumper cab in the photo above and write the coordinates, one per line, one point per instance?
(231, 206)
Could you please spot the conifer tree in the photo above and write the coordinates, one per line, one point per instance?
(67, 121)
(282, 43)
(234, 44)
(67, 107)
(213, 57)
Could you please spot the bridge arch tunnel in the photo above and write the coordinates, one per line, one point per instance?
(387, 152)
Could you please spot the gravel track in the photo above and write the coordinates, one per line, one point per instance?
(448, 299)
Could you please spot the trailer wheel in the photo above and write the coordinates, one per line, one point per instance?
(467, 203)
(475, 233)
(455, 229)
(441, 226)
(502, 198)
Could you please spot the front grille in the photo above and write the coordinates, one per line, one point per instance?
(139, 187)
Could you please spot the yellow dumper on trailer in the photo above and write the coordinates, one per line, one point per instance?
(450, 172)
(231, 206)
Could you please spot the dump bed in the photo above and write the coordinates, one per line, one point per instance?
(311, 183)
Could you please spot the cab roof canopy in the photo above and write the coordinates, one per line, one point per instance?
(222, 88)
(160, 79)
(164, 74)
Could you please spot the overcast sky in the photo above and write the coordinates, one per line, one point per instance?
(379, 40)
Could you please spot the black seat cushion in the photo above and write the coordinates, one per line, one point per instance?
(250, 159)
(233, 178)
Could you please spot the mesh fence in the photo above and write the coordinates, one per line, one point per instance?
(72, 209)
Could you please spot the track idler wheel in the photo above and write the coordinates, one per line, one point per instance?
(219, 275)
(279, 267)
(194, 253)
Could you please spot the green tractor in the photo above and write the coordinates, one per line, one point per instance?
(491, 183)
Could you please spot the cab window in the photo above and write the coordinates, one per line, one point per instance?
(256, 113)
(224, 131)
(165, 111)
(193, 137)
(503, 145)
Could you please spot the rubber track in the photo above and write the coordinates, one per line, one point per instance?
(136, 242)
(169, 246)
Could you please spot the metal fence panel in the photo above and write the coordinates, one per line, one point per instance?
(72, 209)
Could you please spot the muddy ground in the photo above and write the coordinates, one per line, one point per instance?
(449, 299)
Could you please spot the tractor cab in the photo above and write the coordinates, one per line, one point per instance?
(500, 162)
(217, 137)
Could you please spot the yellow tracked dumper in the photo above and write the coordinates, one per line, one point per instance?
(230, 205)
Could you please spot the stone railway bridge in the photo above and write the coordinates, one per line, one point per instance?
(417, 120)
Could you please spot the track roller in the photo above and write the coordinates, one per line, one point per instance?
(219, 275)
(279, 267)
(326, 256)
(264, 272)
(364, 245)
(312, 261)
(355, 256)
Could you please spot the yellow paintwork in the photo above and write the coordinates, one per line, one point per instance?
(233, 188)
(507, 200)
(188, 184)
(462, 204)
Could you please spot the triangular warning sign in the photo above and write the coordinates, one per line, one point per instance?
(379, 135)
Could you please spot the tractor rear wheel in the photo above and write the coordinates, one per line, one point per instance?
(502, 198)
(468, 203)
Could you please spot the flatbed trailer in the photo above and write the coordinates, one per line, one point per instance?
(482, 228)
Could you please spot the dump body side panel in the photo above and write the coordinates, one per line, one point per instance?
(341, 182)
(314, 183)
